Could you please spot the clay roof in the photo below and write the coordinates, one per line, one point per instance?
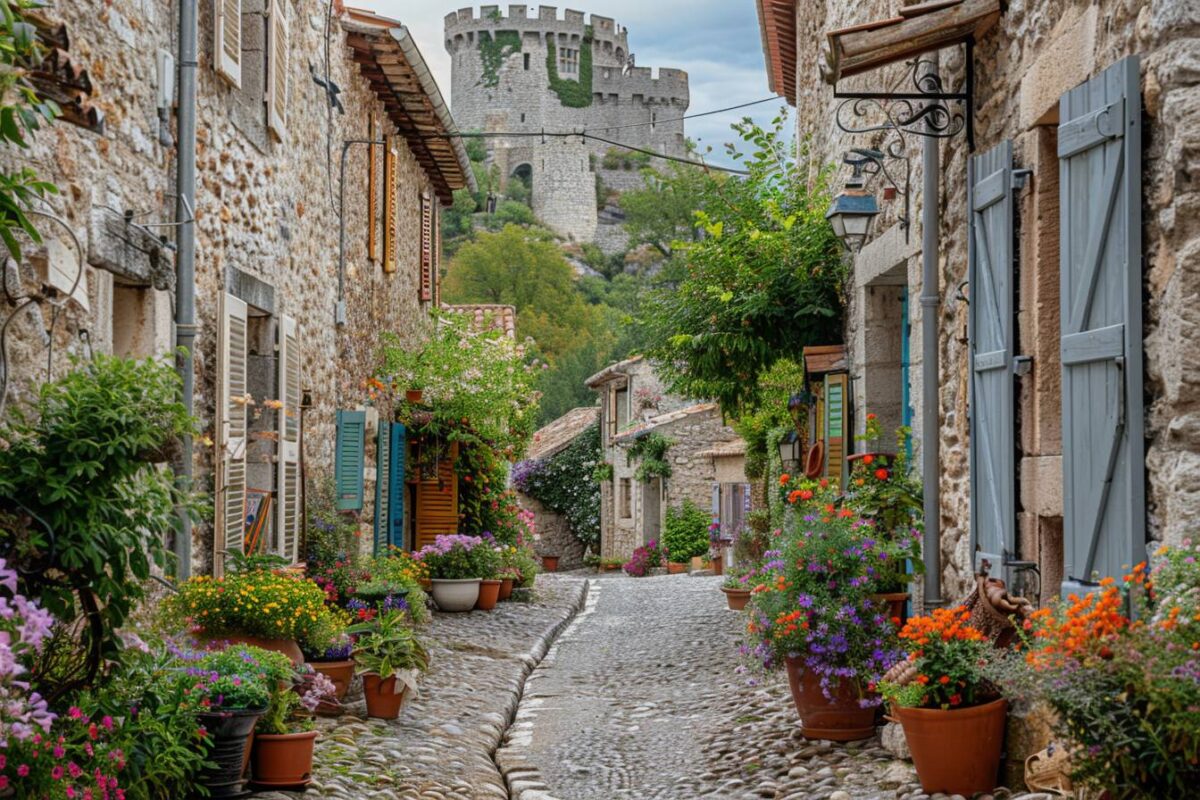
(731, 449)
(777, 23)
(662, 420)
(485, 316)
(824, 358)
(616, 370)
(388, 58)
(61, 78)
(562, 431)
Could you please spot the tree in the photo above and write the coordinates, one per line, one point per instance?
(764, 281)
(663, 212)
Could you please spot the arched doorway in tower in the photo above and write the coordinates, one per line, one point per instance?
(520, 184)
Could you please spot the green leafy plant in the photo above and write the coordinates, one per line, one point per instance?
(650, 452)
(685, 532)
(492, 52)
(84, 506)
(603, 473)
(946, 656)
(883, 487)
(572, 94)
(387, 647)
(565, 484)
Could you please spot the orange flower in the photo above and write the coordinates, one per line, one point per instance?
(784, 478)
(922, 679)
(824, 483)
(806, 494)
(868, 459)
(870, 417)
(944, 680)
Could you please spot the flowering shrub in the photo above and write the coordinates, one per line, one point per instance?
(644, 559)
(564, 483)
(520, 563)
(273, 605)
(946, 656)
(79, 760)
(884, 488)
(456, 557)
(24, 629)
(813, 600)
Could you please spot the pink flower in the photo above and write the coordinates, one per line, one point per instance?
(59, 752)
(107, 722)
(56, 773)
(74, 712)
(22, 770)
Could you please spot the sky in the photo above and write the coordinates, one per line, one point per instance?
(716, 41)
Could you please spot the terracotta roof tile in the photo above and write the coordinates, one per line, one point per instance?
(562, 431)
(485, 316)
(663, 419)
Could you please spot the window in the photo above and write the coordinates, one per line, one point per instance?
(525, 57)
(568, 61)
(625, 498)
(622, 403)
(735, 505)
(227, 40)
(522, 116)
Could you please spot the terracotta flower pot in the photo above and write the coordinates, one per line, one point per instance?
(489, 593)
(414, 395)
(288, 647)
(675, 569)
(956, 751)
(506, 587)
(897, 604)
(699, 563)
(283, 760)
(383, 699)
(229, 733)
(550, 563)
(717, 565)
(841, 719)
(340, 672)
(455, 595)
(737, 598)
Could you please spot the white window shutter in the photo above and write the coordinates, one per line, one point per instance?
(231, 431)
(227, 40)
(287, 503)
(278, 47)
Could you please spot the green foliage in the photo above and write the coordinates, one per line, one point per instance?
(564, 484)
(387, 647)
(685, 532)
(572, 94)
(761, 427)
(84, 508)
(620, 158)
(885, 488)
(22, 113)
(764, 281)
(650, 451)
(493, 51)
(663, 212)
(510, 212)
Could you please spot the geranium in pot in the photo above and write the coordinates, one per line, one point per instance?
(487, 562)
(953, 717)
(284, 739)
(736, 587)
(389, 658)
(812, 612)
(454, 572)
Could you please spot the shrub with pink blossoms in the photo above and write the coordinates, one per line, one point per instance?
(24, 629)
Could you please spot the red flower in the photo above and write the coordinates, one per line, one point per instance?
(870, 417)
(881, 474)
(955, 699)
(868, 459)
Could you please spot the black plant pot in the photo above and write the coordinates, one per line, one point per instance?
(229, 734)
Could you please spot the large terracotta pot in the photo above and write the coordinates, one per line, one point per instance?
(383, 699)
(340, 672)
(288, 647)
(841, 719)
(229, 734)
(675, 569)
(956, 751)
(283, 760)
(550, 563)
(506, 587)
(737, 598)
(455, 595)
(489, 594)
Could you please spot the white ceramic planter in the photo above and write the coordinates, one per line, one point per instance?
(455, 595)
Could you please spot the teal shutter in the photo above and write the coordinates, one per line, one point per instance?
(990, 330)
(396, 486)
(383, 493)
(348, 459)
(1100, 250)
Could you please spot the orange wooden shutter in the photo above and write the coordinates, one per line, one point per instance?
(426, 248)
(437, 502)
(389, 206)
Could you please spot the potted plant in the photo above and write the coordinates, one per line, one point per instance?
(812, 613)
(953, 717)
(736, 587)
(389, 658)
(487, 564)
(685, 535)
(336, 664)
(282, 755)
(550, 563)
(611, 564)
(453, 573)
(644, 560)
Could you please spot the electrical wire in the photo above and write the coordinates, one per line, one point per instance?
(688, 116)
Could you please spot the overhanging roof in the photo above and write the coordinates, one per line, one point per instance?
(388, 58)
(824, 358)
(777, 23)
(917, 29)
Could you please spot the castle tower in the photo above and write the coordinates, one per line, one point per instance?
(523, 74)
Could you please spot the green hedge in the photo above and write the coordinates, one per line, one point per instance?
(685, 532)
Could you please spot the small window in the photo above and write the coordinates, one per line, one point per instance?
(522, 116)
(622, 408)
(625, 498)
(568, 61)
(525, 56)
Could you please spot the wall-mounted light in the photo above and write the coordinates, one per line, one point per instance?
(853, 209)
(789, 448)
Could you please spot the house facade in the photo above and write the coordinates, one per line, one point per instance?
(635, 405)
(287, 331)
(1054, 211)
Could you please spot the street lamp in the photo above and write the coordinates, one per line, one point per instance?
(789, 448)
(852, 211)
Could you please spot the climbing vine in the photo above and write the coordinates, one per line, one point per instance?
(492, 52)
(564, 484)
(650, 451)
(572, 94)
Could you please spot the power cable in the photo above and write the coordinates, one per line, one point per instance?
(688, 116)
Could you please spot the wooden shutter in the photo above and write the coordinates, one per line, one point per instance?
(288, 510)
(436, 244)
(990, 332)
(396, 486)
(437, 502)
(835, 427)
(426, 248)
(227, 40)
(1100, 251)
(372, 190)
(383, 495)
(231, 429)
(278, 47)
(348, 459)
(390, 197)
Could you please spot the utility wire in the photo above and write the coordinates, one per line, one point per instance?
(688, 116)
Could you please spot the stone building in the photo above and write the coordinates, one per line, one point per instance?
(1065, 231)
(278, 322)
(545, 74)
(633, 405)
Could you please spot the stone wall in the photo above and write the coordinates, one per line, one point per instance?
(554, 535)
(1038, 51)
(265, 213)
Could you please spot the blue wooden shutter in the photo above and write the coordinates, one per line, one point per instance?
(383, 494)
(348, 459)
(396, 487)
(1100, 197)
(990, 332)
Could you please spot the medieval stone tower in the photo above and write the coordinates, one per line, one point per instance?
(525, 74)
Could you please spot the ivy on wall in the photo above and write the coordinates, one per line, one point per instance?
(564, 483)
(492, 52)
(572, 94)
(650, 451)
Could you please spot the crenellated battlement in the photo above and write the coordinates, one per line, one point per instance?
(547, 20)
